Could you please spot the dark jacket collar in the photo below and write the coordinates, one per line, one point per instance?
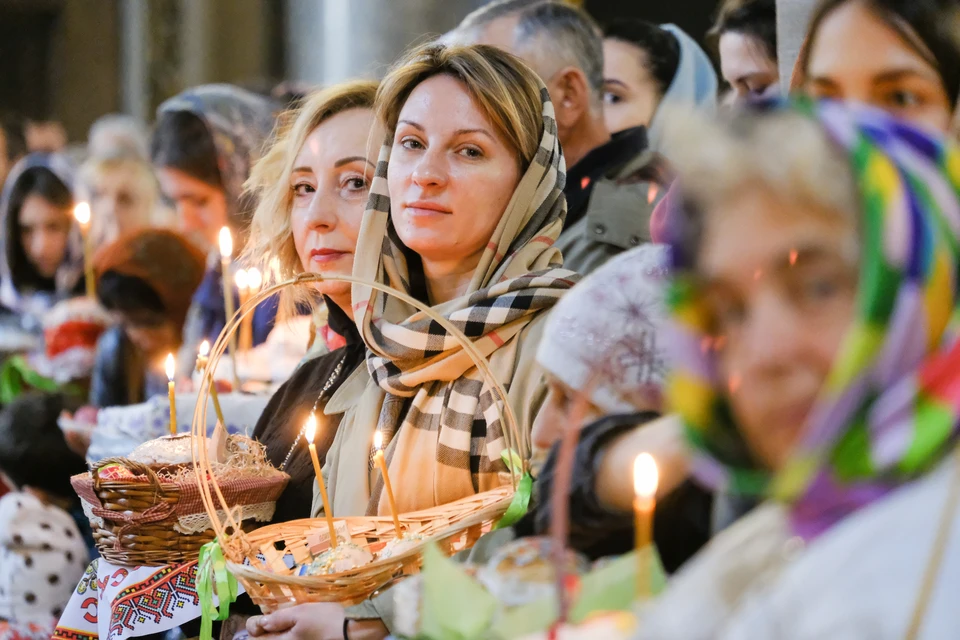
(341, 322)
(601, 162)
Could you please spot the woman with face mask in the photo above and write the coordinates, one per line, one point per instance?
(815, 308)
(646, 66)
(42, 246)
(896, 55)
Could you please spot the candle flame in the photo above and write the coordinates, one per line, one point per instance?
(254, 279)
(311, 430)
(226, 243)
(241, 279)
(645, 476)
(82, 213)
(171, 367)
(377, 440)
(204, 348)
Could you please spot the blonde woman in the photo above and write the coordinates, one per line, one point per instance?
(312, 186)
(463, 214)
(123, 195)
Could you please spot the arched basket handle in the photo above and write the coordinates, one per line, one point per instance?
(210, 492)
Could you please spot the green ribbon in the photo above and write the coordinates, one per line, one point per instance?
(15, 374)
(521, 499)
(212, 570)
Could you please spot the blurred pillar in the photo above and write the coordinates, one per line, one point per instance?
(335, 40)
(793, 16)
(134, 35)
(197, 41)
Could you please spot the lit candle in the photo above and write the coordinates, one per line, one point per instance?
(203, 359)
(379, 460)
(226, 254)
(82, 214)
(254, 281)
(645, 479)
(310, 432)
(171, 371)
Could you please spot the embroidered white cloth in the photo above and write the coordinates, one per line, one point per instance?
(114, 603)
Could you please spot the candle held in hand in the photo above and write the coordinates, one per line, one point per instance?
(645, 480)
(310, 432)
(171, 367)
(82, 214)
(381, 462)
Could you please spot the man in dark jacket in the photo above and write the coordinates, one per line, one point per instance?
(612, 180)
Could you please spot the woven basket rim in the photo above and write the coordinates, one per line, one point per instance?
(210, 492)
(488, 512)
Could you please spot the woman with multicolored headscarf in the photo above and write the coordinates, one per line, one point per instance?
(816, 252)
(204, 144)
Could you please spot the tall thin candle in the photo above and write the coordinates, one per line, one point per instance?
(171, 372)
(645, 480)
(310, 433)
(203, 359)
(246, 325)
(82, 214)
(226, 255)
(381, 462)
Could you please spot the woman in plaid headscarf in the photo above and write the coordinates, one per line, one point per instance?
(463, 213)
(816, 306)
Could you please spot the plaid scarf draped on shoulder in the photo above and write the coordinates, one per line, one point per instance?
(437, 408)
(890, 408)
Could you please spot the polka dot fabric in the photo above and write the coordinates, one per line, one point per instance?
(42, 557)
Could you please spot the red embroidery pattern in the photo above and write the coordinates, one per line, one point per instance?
(71, 634)
(171, 588)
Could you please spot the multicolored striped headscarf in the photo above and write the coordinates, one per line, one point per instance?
(890, 408)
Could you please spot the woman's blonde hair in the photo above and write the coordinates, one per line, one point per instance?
(506, 90)
(271, 245)
(144, 184)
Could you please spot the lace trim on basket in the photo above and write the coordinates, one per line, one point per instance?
(199, 522)
(95, 521)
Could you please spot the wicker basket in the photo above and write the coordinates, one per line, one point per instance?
(136, 522)
(257, 559)
(453, 527)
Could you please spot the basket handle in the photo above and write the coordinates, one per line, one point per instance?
(137, 468)
(514, 439)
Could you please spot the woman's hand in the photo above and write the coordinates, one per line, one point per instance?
(318, 621)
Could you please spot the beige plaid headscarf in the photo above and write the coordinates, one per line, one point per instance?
(437, 412)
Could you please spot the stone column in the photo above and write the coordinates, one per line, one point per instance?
(793, 17)
(343, 39)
